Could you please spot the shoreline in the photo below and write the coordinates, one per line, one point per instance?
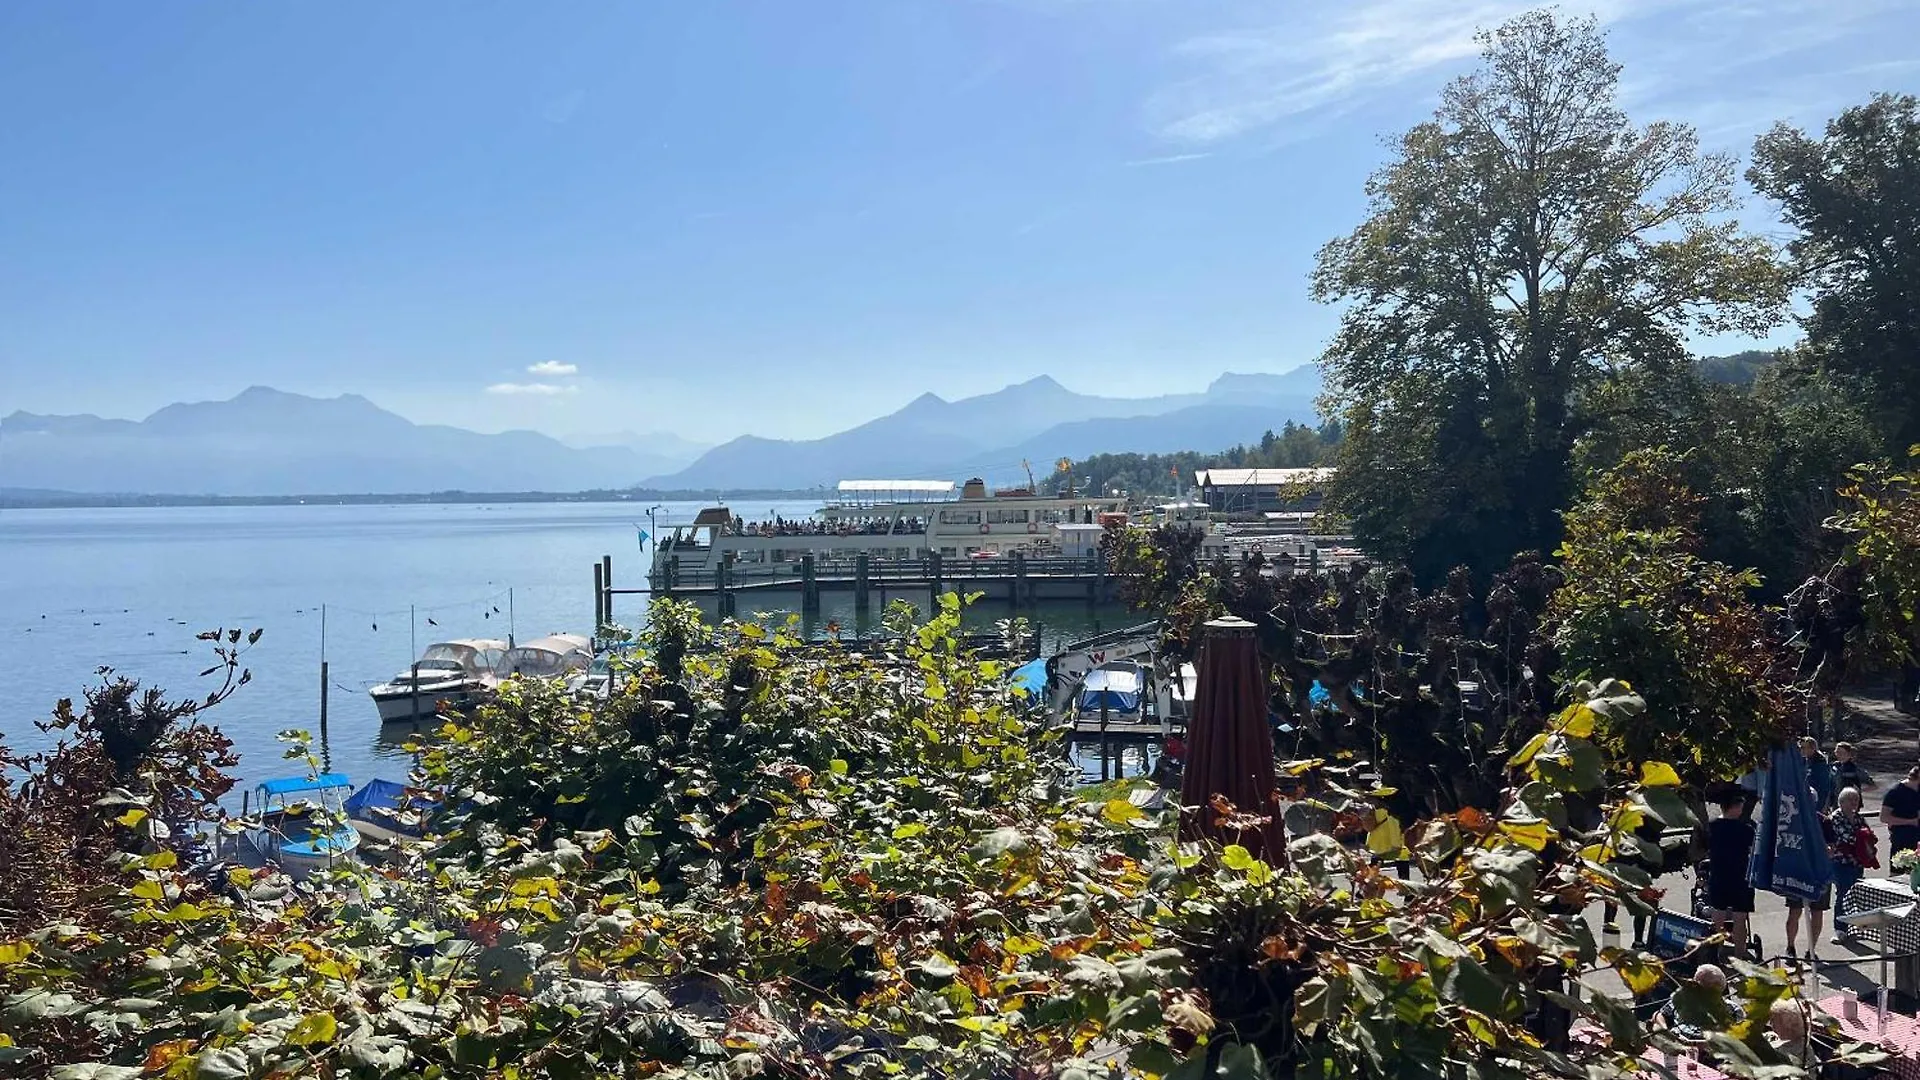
(63, 500)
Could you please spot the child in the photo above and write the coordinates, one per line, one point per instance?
(1847, 772)
(1729, 848)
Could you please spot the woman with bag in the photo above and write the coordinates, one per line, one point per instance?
(1855, 850)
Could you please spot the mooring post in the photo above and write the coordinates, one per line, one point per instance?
(809, 585)
(599, 598)
(1104, 750)
(723, 582)
(862, 565)
(673, 573)
(323, 703)
(1020, 578)
(933, 572)
(606, 583)
(416, 693)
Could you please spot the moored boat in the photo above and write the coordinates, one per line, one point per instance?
(567, 657)
(301, 825)
(384, 811)
(459, 674)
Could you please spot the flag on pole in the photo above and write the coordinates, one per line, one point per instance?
(643, 539)
(1790, 850)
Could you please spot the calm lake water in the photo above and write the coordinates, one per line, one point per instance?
(129, 588)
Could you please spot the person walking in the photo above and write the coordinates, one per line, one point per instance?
(1900, 813)
(1815, 908)
(1819, 773)
(1847, 772)
(1729, 847)
(1854, 852)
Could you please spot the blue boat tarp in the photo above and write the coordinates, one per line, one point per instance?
(324, 846)
(1030, 677)
(1115, 689)
(288, 785)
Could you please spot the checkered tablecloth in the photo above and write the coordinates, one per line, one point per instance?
(1901, 1039)
(1872, 893)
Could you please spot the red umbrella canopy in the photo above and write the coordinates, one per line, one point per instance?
(1230, 749)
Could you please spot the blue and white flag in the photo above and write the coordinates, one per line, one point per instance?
(1790, 850)
(643, 538)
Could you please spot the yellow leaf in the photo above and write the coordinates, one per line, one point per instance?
(1658, 774)
(132, 817)
(1532, 835)
(1235, 857)
(148, 890)
(314, 1029)
(1578, 720)
(1120, 811)
(1023, 945)
(12, 952)
(161, 860)
(1528, 752)
(240, 877)
(1640, 976)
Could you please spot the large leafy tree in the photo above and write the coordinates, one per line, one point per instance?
(1641, 601)
(1521, 246)
(1855, 197)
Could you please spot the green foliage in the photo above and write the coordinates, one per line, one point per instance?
(1881, 520)
(1294, 446)
(1854, 196)
(1521, 245)
(1641, 603)
(852, 866)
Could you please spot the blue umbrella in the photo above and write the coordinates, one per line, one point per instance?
(1789, 849)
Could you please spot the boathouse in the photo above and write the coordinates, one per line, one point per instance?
(1260, 491)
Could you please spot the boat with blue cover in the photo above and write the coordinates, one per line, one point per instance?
(301, 823)
(384, 811)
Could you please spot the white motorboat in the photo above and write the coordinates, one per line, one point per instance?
(567, 657)
(301, 825)
(458, 674)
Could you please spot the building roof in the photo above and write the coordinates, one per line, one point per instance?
(1261, 477)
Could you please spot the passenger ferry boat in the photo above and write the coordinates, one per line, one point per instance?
(888, 519)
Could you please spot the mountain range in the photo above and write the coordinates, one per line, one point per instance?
(265, 442)
(992, 434)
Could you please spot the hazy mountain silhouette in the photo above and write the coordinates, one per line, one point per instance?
(267, 442)
(1038, 420)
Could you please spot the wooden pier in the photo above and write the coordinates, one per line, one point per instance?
(1013, 579)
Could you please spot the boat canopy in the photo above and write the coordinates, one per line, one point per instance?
(1030, 677)
(1117, 688)
(288, 785)
(555, 654)
(874, 492)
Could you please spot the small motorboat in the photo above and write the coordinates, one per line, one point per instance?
(456, 674)
(301, 824)
(1113, 690)
(567, 657)
(384, 811)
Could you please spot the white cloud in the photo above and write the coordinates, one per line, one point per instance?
(552, 368)
(535, 389)
(1301, 64)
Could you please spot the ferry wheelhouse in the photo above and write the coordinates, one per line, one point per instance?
(887, 519)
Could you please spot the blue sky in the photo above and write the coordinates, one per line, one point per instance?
(780, 217)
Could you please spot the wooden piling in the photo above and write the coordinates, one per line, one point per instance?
(599, 598)
(323, 703)
(723, 583)
(606, 586)
(416, 693)
(933, 572)
(862, 568)
(809, 587)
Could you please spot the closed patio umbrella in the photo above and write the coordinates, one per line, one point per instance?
(1229, 749)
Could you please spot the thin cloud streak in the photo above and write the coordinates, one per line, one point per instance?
(1291, 70)
(553, 368)
(531, 389)
(1170, 159)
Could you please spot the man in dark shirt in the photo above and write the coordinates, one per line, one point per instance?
(1729, 847)
(1900, 813)
(1847, 772)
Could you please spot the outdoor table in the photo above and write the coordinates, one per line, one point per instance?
(1897, 936)
(1901, 1039)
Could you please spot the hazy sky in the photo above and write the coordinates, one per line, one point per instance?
(780, 216)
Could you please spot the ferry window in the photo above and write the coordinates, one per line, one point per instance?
(948, 552)
(959, 517)
(1006, 517)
